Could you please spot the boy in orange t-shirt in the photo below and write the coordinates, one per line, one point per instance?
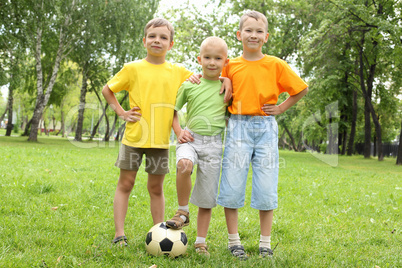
(252, 132)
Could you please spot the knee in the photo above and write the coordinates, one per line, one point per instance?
(155, 190)
(125, 185)
(185, 166)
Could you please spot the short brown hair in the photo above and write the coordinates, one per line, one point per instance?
(159, 22)
(255, 15)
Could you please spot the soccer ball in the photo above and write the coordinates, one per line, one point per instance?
(162, 240)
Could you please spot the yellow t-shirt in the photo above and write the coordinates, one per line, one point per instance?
(256, 83)
(152, 88)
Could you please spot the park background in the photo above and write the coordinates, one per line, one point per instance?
(56, 56)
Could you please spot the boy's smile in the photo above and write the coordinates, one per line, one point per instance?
(157, 42)
(253, 35)
(212, 59)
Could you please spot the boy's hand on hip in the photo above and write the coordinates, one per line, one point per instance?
(132, 115)
(185, 136)
(271, 109)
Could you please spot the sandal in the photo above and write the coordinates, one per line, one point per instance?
(177, 222)
(238, 251)
(122, 240)
(266, 252)
(202, 249)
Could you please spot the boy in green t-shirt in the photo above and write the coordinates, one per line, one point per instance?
(200, 142)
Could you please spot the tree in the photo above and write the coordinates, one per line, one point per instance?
(100, 37)
(354, 43)
(43, 22)
(399, 157)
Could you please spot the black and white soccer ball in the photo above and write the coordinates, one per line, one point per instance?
(162, 240)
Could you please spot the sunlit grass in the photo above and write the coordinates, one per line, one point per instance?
(56, 209)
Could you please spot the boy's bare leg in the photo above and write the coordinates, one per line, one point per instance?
(266, 217)
(231, 216)
(120, 203)
(203, 220)
(183, 181)
(234, 243)
(155, 190)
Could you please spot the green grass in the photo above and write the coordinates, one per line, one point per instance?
(343, 216)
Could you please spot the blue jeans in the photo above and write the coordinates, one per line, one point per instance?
(250, 140)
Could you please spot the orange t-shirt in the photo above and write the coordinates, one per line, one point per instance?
(256, 83)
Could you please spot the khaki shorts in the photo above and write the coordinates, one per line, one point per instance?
(156, 161)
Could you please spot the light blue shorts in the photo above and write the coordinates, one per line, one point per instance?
(250, 140)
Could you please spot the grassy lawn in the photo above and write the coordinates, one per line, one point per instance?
(56, 210)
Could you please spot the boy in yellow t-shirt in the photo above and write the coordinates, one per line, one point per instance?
(252, 132)
(152, 84)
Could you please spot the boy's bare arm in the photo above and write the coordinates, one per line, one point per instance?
(129, 116)
(271, 109)
(182, 135)
(227, 88)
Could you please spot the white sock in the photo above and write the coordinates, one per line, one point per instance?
(265, 241)
(200, 240)
(186, 209)
(234, 240)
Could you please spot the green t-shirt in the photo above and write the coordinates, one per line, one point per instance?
(206, 110)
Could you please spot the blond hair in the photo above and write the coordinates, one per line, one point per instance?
(214, 41)
(255, 15)
(159, 22)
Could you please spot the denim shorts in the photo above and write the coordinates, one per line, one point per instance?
(250, 140)
(206, 153)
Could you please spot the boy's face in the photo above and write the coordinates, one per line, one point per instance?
(212, 59)
(253, 35)
(157, 42)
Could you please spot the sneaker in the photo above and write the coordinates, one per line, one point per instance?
(266, 252)
(177, 222)
(238, 251)
(202, 249)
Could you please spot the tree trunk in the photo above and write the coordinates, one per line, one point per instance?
(367, 94)
(120, 132)
(43, 97)
(106, 138)
(62, 127)
(114, 125)
(39, 107)
(24, 121)
(342, 141)
(353, 126)
(27, 128)
(10, 109)
(291, 137)
(95, 129)
(4, 114)
(367, 100)
(44, 126)
(399, 157)
(80, 121)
